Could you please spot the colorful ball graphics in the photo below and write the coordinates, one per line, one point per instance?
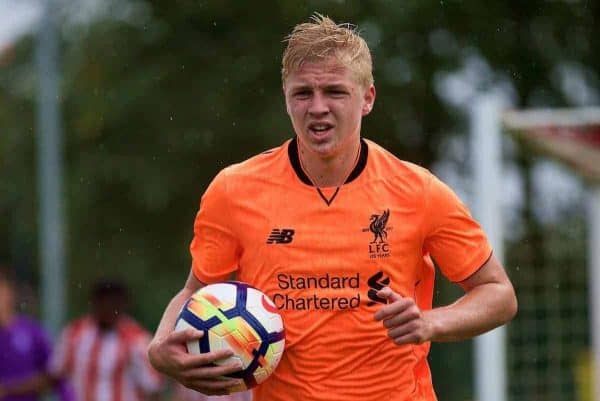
(240, 317)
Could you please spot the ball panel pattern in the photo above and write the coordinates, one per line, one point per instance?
(237, 316)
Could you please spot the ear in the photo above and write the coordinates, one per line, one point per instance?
(368, 100)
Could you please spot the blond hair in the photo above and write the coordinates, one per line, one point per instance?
(322, 39)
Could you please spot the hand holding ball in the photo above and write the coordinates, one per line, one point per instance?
(237, 316)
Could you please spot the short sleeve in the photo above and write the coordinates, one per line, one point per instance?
(456, 242)
(215, 248)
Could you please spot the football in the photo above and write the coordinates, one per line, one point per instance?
(240, 317)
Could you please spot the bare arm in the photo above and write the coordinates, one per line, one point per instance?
(167, 351)
(489, 301)
(169, 318)
(35, 384)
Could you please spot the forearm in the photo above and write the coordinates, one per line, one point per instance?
(165, 327)
(168, 351)
(32, 385)
(169, 318)
(481, 309)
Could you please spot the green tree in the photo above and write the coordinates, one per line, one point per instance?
(159, 96)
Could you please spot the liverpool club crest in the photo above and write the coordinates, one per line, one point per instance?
(379, 246)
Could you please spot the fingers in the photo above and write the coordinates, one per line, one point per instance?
(402, 318)
(416, 331)
(396, 304)
(213, 386)
(199, 360)
(389, 294)
(211, 373)
(407, 315)
(409, 338)
(399, 332)
(201, 372)
(183, 336)
(210, 379)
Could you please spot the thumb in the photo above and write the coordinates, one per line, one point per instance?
(389, 294)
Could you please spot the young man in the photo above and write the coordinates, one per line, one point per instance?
(340, 234)
(103, 354)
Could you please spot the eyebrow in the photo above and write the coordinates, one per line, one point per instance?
(337, 85)
(295, 88)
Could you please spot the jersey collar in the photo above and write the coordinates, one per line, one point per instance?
(295, 161)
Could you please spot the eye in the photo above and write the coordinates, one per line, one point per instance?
(302, 94)
(337, 93)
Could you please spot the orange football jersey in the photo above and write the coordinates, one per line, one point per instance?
(321, 255)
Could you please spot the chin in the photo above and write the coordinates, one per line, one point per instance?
(319, 146)
(323, 150)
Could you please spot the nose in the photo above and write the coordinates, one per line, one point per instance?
(318, 105)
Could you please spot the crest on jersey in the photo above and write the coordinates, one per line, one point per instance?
(379, 246)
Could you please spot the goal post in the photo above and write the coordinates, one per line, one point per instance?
(486, 144)
(571, 136)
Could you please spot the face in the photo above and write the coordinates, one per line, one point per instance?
(326, 104)
(108, 309)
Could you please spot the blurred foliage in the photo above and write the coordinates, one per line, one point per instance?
(158, 96)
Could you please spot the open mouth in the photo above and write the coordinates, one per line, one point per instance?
(320, 129)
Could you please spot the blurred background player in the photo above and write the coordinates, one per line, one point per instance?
(24, 349)
(103, 354)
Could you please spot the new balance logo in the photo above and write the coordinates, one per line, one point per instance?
(283, 236)
(376, 282)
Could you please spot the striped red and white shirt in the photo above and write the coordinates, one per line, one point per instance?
(105, 365)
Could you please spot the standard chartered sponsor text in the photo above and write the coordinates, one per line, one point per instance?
(308, 300)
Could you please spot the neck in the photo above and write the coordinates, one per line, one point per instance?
(332, 171)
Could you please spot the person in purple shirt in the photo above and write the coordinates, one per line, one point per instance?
(24, 350)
